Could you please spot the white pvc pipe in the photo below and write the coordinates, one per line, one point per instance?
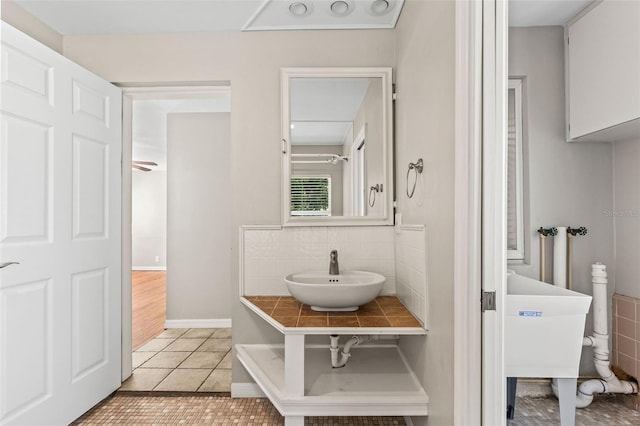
(346, 351)
(608, 383)
(569, 261)
(334, 348)
(560, 257)
(599, 281)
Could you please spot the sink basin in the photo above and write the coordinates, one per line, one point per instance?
(327, 293)
(544, 325)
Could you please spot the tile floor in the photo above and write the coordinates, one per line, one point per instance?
(605, 410)
(183, 360)
(131, 409)
(199, 360)
(127, 409)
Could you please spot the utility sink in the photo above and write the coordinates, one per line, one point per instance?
(544, 326)
(327, 293)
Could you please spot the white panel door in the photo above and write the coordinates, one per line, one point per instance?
(60, 172)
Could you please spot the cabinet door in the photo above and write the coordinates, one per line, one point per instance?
(604, 67)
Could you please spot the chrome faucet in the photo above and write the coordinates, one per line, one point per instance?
(334, 269)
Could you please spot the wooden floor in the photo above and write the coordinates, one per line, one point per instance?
(149, 305)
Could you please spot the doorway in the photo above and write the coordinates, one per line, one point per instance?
(172, 138)
(148, 219)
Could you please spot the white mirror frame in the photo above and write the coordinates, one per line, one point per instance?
(387, 129)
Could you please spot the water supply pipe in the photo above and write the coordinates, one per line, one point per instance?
(543, 233)
(346, 350)
(543, 263)
(608, 383)
(572, 232)
(560, 257)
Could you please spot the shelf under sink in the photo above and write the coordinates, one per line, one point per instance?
(376, 381)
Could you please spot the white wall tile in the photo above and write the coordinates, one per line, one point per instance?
(318, 235)
(286, 266)
(270, 255)
(410, 267)
(336, 235)
(301, 235)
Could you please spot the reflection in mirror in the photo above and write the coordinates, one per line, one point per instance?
(338, 148)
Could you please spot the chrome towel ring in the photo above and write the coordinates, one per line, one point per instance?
(417, 168)
(372, 192)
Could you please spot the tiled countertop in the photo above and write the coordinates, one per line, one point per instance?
(384, 314)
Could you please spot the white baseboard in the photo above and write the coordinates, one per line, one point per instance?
(246, 390)
(148, 268)
(199, 323)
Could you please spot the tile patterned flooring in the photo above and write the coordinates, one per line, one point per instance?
(127, 409)
(384, 311)
(605, 410)
(183, 360)
(130, 409)
(199, 360)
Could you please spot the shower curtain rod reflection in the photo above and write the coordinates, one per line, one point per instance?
(329, 158)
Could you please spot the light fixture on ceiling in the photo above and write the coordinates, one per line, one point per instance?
(340, 8)
(325, 14)
(379, 7)
(299, 9)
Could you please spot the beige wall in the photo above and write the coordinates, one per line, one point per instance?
(569, 184)
(28, 24)
(251, 62)
(425, 129)
(149, 218)
(626, 214)
(198, 216)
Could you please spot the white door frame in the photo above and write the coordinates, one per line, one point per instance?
(494, 193)
(467, 238)
(480, 222)
(130, 94)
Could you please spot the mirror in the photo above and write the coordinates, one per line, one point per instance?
(337, 146)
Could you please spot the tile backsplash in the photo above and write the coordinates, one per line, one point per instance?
(411, 269)
(269, 253)
(626, 334)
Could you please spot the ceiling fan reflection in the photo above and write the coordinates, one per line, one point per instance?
(139, 165)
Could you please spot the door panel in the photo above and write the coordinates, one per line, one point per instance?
(90, 185)
(26, 191)
(23, 72)
(28, 304)
(60, 181)
(89, 324)
(91, 103)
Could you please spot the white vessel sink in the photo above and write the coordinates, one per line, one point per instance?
(344, 292)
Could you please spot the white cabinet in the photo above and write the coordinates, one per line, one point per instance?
(603, 72)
